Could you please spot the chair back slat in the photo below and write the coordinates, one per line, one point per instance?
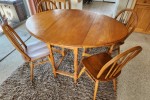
(36, 2)
(128, 58)
(129, 18)
(14, 34)
(115, 65)
(118, 67)
(45, 5)
(59, 5)
(15, 40)
(112, 68)
(63, 4)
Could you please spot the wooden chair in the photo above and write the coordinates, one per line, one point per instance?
(36, 2)
(129, 18)
(31, 52)
(102, 67)
(45, 5)
(62, 4)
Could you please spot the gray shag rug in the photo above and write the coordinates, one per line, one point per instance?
(45, 87)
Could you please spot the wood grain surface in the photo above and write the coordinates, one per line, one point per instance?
(75, 28)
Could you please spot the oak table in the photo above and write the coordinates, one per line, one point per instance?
(75, 29)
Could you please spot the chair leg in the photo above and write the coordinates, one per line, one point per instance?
(81, 72)
(115, 84)
(111, 49)
(95, 89)
(31, 71)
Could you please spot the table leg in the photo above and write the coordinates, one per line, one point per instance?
(75, 51)
(51, 58)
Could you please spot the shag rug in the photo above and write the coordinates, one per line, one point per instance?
(45, 87)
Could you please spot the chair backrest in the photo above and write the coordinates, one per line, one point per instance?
(129, 18)
(63, 4)
(115, 65)
(15, 40)
(36, 2)
(45, 5)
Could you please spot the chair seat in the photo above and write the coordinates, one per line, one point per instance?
(37, 50)
(94, 64)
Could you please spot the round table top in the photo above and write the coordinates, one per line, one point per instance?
(75, 28)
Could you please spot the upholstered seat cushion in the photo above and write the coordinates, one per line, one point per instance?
(37, 50)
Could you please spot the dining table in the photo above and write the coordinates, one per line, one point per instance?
(74, 29)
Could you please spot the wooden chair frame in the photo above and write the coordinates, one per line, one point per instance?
(22, 47)
(129, 18)
(115, 66)
(45, 5)
(64, 2)
(36, 2)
